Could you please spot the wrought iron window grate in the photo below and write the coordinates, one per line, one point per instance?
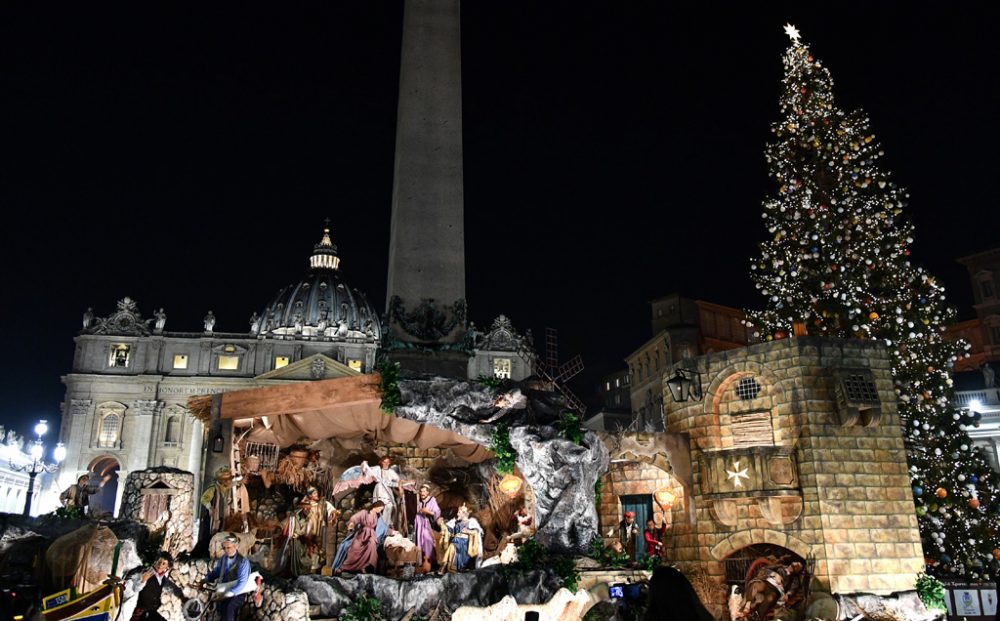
(747, 388)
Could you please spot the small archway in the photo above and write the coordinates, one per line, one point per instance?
(646, 490)
(740, 562)
(104, 501)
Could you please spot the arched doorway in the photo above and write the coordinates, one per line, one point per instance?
(104, 501)
(738, 564)
(644, 489)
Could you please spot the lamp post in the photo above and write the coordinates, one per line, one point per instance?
(37, 465)
(684, 384)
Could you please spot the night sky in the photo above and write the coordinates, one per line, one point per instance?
(187, 157)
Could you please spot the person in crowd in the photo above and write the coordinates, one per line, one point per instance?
(672, 598)
(232, 571)
(154, 581)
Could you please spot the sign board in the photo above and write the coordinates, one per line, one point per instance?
(972, 602)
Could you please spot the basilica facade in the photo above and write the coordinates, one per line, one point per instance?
(125, 407)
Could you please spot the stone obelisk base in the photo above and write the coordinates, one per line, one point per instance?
(451, 364)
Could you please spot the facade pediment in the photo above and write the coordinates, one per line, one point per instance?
(314, 367)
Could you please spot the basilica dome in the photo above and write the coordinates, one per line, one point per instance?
(321, 305)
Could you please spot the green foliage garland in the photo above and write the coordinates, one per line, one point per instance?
(569, 427)
(494, 382)
(531, 556)
(364, 609)
(391, 396)
(501, 447)
(931, 591)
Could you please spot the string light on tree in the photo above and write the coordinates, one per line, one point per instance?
(837, 260)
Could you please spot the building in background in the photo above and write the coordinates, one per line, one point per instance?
(15, 463)
(977, 388)
(682, 328)
(615, 412)
(126, 396)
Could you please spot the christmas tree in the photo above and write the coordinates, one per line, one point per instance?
(837, 263)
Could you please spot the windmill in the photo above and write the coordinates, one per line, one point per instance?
(551, 371)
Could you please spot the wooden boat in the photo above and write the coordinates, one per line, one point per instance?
(100, 604)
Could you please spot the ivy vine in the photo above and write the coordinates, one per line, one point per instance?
(389, 385)
(569, 427)
(502, 448)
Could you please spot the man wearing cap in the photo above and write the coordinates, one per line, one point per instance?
(154, 581)
(322, 513)
(628, 533)
(233, 573)
(218, 500)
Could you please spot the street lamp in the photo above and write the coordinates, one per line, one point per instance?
(37, 465)
(684, 384)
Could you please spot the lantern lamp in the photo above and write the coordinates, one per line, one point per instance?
(665, 498)
(511, 484)
(682, 386)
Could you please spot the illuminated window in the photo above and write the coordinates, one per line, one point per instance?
(280, 361)
(180, 361)
(501, 368)
(618, 382)
(119, 355)
(354, 364)
(229, 348)
(229, 363)
(108, 435)
(607, 385)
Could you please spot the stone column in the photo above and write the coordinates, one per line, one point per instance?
(427, 235)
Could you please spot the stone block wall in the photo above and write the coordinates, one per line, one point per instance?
(834, 493)
(281, 600)
(162, 499)
(627, 478)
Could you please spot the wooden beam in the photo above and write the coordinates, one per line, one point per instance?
(302, 397)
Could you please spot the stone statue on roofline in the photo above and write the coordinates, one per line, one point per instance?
(209, 322)
(989, 375)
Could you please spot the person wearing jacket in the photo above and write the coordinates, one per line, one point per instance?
(233, 573)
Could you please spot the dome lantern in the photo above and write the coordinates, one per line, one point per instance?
(324, 256)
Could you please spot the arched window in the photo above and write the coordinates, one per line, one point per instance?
(107, 436)
(173, 430)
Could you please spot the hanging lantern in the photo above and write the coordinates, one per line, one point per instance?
(511, 484)
(665, 498)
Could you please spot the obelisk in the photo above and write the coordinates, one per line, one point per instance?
(426, 281)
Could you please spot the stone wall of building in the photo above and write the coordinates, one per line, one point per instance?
(629, 477)
(161, 499)
(776, 460)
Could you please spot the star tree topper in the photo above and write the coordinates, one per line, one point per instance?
(793, 33)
